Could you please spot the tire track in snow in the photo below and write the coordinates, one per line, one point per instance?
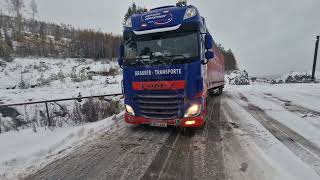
(192, 154)
(136, 152)
(300, 146)
(174, 159)
(122, 153)
(208, 149)
(288, 105)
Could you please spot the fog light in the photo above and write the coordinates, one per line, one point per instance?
(192, 122)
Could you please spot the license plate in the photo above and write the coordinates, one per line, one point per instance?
(159, 124)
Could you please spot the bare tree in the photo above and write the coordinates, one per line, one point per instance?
(15, 7)
(34, 9)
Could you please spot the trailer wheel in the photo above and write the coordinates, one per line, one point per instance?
(212, 92)
(220, 90)
(215, 92)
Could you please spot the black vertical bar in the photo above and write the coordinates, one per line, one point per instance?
(315, 60)
(47, 109)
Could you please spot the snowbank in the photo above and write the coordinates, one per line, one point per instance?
(26, 151)
(296, 77)
(237, 78)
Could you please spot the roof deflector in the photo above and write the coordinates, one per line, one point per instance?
(161, 7)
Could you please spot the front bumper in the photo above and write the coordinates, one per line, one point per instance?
(180, 122)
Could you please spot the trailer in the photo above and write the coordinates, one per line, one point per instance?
(170, 65)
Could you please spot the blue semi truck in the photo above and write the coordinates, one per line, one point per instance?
(170, 64)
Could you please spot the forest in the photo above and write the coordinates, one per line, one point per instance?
(25, 37)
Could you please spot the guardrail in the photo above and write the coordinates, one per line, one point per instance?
(56, 100)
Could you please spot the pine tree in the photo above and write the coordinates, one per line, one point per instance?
(134, 9)
(229, 59)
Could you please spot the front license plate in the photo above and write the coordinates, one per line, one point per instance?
(159, 124)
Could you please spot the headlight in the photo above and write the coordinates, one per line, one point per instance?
(190, 12)
(194, 110)
(128, 22)
(129, 110)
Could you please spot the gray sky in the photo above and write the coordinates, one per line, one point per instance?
(268, 37)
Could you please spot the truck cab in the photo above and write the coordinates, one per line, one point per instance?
(170, 63)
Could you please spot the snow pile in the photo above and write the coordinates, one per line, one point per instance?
(26, 151)
(238, 77)
(296, 77)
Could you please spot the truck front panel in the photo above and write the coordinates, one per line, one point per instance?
(164, 75)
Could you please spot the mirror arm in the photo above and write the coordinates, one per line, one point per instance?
(204, 61)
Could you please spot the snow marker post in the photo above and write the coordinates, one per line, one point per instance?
(48, 115)
(315, 60)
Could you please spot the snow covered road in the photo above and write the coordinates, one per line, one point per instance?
(252, 132)
(278, 129)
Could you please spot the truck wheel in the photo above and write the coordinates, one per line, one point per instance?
(212, 92)
(220, 90)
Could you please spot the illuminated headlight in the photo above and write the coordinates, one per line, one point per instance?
(194, 110)
(129, 110)
(190, 12)
(128, 22)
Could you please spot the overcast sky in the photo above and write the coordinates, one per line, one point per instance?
(268, 37)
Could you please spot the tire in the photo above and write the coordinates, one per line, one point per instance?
(212, 92)
(220, 90)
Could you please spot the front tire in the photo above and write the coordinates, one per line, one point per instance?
(220, 91)
(216, 92)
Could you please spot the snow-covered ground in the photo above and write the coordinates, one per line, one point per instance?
(29, 80)
(275, 129)
(26, 151)
(278, 129)
(55, 78)
(294, 76)
(25, 80)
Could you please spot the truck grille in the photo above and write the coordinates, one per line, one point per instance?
(160, 106)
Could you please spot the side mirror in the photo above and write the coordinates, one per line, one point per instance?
(208, 41)
(121, 54)
(120, 61)
(121, 50)
(209, 55)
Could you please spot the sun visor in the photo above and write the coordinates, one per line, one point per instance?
(161, 20)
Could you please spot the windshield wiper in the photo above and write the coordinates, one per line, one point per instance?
(176, 55)
(173, 57)
(170, 57)
(138, 60)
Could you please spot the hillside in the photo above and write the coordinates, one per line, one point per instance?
(42, 39)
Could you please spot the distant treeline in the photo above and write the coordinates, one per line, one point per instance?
(230, 61)
(27, 37)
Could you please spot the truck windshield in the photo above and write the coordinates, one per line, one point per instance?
(162, 49)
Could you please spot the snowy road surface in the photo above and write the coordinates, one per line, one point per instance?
(252, 132)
